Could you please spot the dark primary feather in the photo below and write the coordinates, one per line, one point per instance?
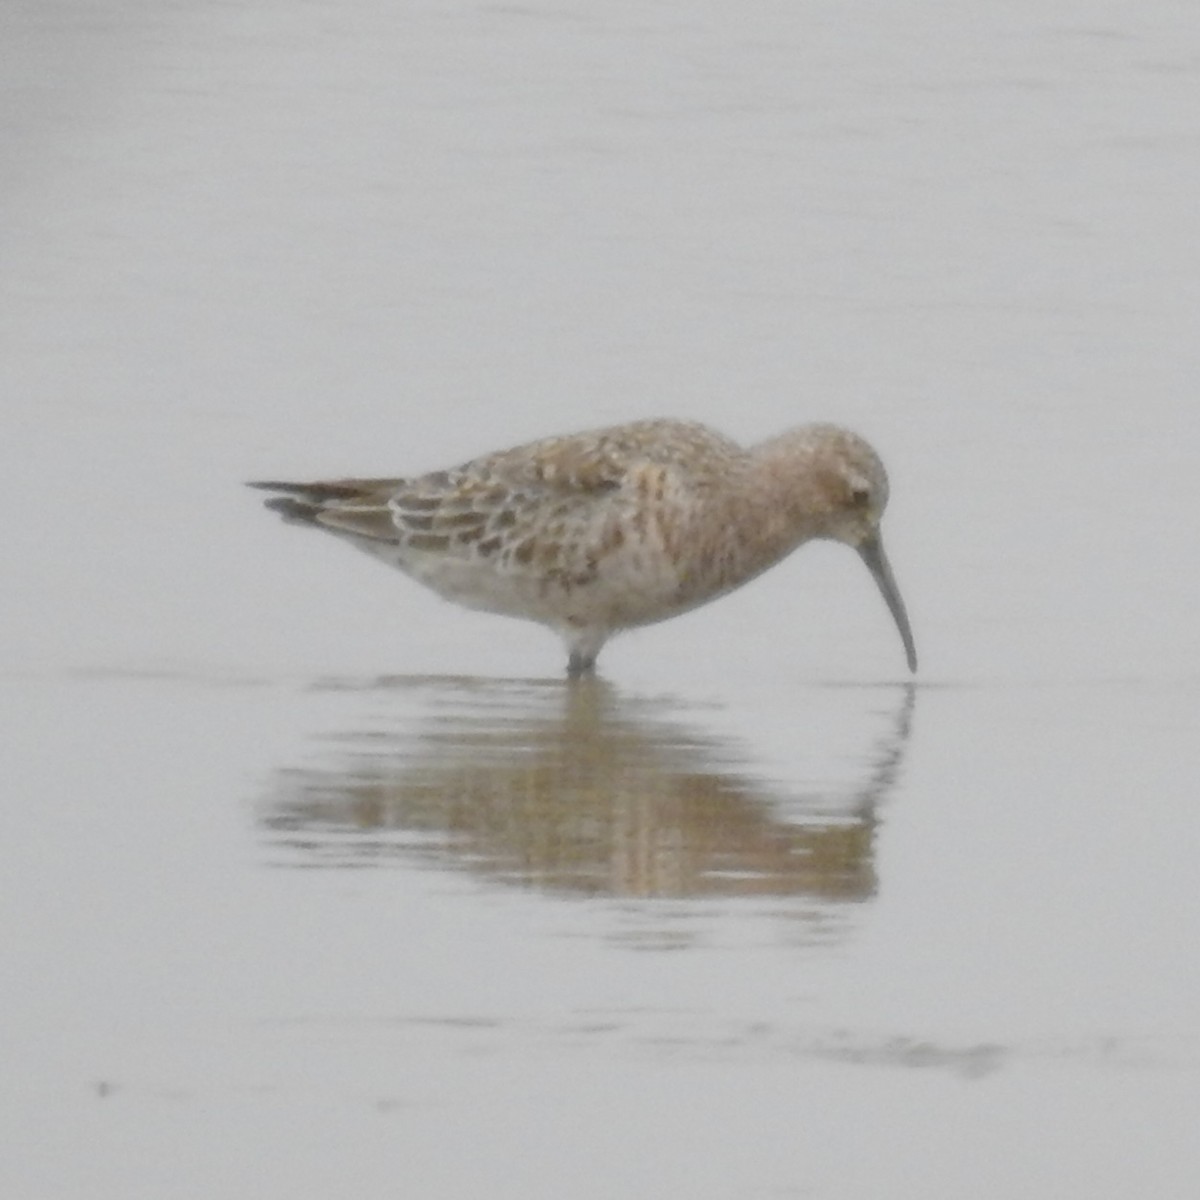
(355, 506)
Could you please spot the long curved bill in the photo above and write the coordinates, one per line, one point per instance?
(871, 552)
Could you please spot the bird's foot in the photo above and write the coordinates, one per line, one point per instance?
(579, 665)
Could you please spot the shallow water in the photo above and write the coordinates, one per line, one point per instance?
(314, 882)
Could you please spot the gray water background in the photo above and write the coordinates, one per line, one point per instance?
(312, 883)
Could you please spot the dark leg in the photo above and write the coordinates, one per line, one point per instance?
(580, 664)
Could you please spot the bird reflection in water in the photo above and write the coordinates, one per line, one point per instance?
(582, 790)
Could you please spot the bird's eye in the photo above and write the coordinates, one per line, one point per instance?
(860, 496)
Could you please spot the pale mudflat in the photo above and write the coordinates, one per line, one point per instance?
(597, 532)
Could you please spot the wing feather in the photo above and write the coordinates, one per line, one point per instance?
(550, 508)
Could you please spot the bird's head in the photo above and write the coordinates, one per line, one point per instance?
(846, 492)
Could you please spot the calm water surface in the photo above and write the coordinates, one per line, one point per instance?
(314, 883)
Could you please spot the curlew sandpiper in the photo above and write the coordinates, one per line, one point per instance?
(597, 532)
